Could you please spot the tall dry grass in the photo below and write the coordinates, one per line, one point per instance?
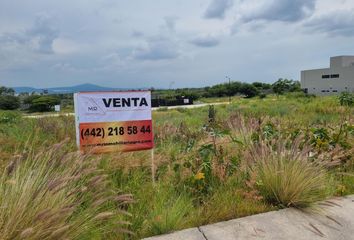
(286, 176)
(53, 194)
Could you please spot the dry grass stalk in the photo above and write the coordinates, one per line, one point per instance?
(286, 175)
(53, 194)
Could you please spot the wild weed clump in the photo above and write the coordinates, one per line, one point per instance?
(285, 175)
(52, 194)
(57, 128)
(9, 117)
(346, 99)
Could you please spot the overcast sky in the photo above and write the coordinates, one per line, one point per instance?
(168, 43)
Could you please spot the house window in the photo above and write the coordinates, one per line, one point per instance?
(334, 75)
(323, 91)
(325, 76)
(334, 91)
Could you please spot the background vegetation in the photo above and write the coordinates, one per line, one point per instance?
(40, 102)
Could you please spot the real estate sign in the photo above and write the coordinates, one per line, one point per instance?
(113, 121)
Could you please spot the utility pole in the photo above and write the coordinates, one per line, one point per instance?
(170, 86)
(229, 88)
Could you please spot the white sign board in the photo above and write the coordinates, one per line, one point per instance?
(113, 121)
(57, 108)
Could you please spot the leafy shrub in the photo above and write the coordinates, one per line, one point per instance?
(8, 102)
(211, 115)
(262, 95)
(9, 116)
(346, 99)
(53, 194)
(231, 89)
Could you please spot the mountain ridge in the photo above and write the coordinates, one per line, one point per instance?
(86, 87)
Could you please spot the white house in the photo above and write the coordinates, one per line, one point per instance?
(339, 77)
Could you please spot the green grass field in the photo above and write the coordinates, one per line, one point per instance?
(251, 156)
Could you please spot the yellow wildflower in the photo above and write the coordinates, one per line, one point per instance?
(341, 189)
(199, 176)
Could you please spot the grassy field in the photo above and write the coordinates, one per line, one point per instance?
(251, 156)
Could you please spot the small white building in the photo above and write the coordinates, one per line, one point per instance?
(339, 77)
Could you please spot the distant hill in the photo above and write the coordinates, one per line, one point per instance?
(24, 89)
(58, 90)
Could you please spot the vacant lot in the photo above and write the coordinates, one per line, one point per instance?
(210, 164)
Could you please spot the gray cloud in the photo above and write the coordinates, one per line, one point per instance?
(333, 23)
(217, 8)
(43, 33)
(280, 10)
(137, 34)
(39, 37)
(253, 26)
(93, 47)
(206, 41)
(159, 48)
(170, 23)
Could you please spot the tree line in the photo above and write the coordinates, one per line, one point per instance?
(32, 103)
(247, 90)
(43, 103)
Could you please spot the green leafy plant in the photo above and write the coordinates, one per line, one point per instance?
(9, 116)
(346, 99)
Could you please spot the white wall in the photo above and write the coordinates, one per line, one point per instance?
(314, 83)
(341, 61)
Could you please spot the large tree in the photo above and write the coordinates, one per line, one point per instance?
(6, 91)
(8, 102)
(249, 90)
(41, 103)
(7, 99)
(285, 85)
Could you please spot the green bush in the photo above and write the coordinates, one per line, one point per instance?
(346, 99)
(262, 95)
(8, 102)
(9, 116)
